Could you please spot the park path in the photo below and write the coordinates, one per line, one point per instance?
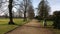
(33, 27)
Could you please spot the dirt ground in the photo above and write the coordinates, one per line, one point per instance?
(33, 27)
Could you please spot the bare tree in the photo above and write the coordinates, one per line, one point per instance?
(31, 12)
(24, 5)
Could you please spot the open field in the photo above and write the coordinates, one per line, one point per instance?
(49, 26)
(4, 27)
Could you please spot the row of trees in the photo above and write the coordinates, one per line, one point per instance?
(25, 8)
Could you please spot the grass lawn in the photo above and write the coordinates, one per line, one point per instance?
(4, 27)
(49, 24)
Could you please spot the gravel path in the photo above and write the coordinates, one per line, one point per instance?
(32, 27)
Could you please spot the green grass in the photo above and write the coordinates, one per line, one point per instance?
(4, 27)
(49, 24)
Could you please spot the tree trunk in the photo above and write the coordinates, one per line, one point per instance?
(10, 12)
(25, 16)
(25, 11)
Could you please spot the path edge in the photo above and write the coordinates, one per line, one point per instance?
(16, 27)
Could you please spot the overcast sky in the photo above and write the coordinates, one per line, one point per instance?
(54, 4)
